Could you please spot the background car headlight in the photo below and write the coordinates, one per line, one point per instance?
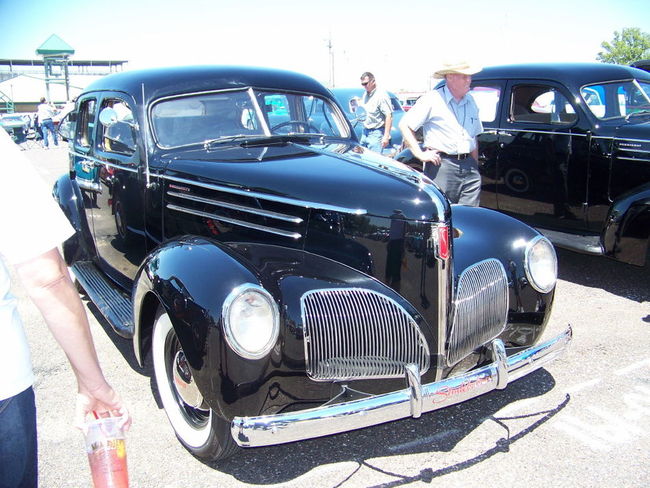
(251, 321)
(541, 264)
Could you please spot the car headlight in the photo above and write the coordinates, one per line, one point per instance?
(251, 321)
(541, 264)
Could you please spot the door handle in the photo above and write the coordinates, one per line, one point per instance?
(505, 133)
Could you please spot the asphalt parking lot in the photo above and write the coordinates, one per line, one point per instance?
(582, 421)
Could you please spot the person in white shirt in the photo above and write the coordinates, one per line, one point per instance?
(450, 122)
(33, 226)
(46, 114)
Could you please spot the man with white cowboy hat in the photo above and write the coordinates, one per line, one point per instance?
(450, 123)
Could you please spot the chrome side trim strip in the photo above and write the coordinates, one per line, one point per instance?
(262, 228)
(557, 133)
(266, 196)
(335, 418)
(639, 160)
(104, 163)
(242, 208)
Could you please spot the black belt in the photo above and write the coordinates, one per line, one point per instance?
(454, 156)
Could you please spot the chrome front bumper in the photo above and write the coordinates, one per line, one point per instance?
(410, 402)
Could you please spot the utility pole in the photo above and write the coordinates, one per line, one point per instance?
(331, 56)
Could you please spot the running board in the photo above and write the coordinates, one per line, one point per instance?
(111, 302)
(574, 242)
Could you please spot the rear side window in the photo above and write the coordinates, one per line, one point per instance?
(86, 123)
(487, 98)
(540, 104)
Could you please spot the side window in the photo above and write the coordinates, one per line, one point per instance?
(119, 137)
(85, 123)
(542, 104)
(487, 98)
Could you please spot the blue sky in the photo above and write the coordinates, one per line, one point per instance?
(401, 42)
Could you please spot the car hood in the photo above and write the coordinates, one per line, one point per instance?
(330, 176)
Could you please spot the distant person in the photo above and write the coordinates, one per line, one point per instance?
(379, 118)
(450, 122)
(46, 113)
(33, 226)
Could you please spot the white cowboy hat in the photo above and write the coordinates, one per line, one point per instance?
(458, 67)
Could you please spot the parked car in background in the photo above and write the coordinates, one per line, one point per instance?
(643, 64)
(285, 282)
(349, 100)
(16, 125)
(566, 149)
(408, 99)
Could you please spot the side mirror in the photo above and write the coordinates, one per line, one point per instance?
(360, 116)
(108, 117)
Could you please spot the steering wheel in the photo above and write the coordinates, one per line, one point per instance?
(297, 123)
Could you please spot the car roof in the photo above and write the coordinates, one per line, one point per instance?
(568, 73)
(160, 82)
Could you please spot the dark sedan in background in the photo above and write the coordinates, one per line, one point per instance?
(566, 149)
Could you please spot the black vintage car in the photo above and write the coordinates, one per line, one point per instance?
(285, 283)
(566, 149)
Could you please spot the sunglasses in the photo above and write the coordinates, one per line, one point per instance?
(364, 83)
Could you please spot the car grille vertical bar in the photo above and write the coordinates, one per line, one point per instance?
(480, 308)
(353, 333)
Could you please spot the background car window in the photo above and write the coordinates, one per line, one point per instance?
(487, 98)
(617, 99)
(322, 116)
(120, 137)
(276, 107)
(85, 123)
(541, 104)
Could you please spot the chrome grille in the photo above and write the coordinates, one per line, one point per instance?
(353, 333)
(480, 308)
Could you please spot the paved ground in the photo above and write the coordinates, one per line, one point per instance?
(583, 421)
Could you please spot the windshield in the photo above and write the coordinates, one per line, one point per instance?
(617, 98)
(243, 114)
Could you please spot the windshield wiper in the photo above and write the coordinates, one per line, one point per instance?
(228, 139)
(639, 112)
(279, 139)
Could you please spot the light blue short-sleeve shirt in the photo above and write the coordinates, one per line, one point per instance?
(447, 125)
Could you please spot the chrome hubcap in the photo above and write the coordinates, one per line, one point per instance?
(184, 382)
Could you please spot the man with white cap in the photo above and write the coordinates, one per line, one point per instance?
(450, 123)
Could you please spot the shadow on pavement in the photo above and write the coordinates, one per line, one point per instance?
(625, 280)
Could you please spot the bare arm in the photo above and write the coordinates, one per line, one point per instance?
(388, 125)
(474, 152)
(409, 138)
(50, 288)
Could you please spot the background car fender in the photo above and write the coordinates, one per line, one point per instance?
(69, 197)
(626, 236)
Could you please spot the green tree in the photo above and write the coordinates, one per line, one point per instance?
(627, 46)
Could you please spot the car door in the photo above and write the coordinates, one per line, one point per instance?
(488, 96)
(541, 163)
(118, 215)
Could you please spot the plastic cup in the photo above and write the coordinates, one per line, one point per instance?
(107, 453)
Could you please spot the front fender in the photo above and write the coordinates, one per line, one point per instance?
(79, 247)
(626, 236)
(191, 278)
(528, 309)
